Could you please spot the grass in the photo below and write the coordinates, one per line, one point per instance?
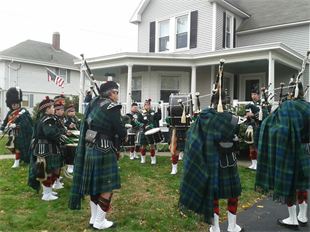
(147, 201)
(3, 150)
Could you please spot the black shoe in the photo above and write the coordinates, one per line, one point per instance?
(303, 224)
(292, 227)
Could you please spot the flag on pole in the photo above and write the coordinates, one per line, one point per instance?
(51, 76)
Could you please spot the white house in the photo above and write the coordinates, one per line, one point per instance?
(180, 44)
(25, 64)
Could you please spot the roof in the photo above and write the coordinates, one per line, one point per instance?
(233, 55)
(266, 13)
(39, 52)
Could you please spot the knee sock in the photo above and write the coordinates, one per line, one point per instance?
(232, 205)
(302, 196)
(17, 155)
(175, 158)
(143, 151)
(253, 153)
(216, 208)
(152, 151)
(104, 203)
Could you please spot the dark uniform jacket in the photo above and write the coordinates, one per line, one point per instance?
(95, 162)
(22, 132)
(150, 119)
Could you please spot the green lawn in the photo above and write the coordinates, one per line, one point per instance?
(3, 150)
(147, 201)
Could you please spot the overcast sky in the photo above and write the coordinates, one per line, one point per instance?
(92, 27)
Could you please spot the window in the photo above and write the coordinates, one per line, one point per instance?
(163, 35)
(229, 31)
(182, 32)
(169, 84)
(63, 73)
(136, 89)
(27, 100)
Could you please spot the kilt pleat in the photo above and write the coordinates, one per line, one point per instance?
(100, 171)
(54, 161)
(229, 182)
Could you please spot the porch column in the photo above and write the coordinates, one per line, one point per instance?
(193, 87)
(129, 81)
(82, 86)
(271, 79)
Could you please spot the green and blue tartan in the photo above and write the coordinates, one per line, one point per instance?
(202, 176)
(96, 170)
(23, 138)
(283, 162)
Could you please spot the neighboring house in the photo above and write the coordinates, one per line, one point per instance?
(24, 65)
(180, 44)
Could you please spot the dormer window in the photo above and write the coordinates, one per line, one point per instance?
(163, 36)
(182, 28)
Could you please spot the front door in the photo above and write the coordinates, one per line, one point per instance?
(248, 82)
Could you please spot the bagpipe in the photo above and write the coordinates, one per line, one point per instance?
(90, 76)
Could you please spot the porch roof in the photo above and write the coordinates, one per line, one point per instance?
(279, 51)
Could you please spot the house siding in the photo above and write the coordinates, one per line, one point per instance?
(165, 9)
(32, 79)
(295, 37)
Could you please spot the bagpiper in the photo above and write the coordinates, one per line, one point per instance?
(256, 112)
(210, 164)
(95, 169)
(284, 156)
(18, 126)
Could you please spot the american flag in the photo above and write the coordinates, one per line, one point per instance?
(51, 76)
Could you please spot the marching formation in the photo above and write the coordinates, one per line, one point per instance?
(57, 143)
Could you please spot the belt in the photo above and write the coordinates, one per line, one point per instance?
(43, 141)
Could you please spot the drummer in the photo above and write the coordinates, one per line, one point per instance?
(59, 107)
(72, 123)
(135, 121)
(150, 119)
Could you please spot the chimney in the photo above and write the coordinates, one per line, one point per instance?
(56, 40)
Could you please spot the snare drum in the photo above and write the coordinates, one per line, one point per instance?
(131, 140)
(154, 136)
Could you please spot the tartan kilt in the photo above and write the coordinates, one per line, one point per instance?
(54, 161)
(143, 140)
(229, 182)
(303, 173)
(100, 171)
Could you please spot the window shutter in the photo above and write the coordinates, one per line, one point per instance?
(152, 37)
(194, 29)
(234, 35)
(31, 100)
(68, 76)
(224, 29)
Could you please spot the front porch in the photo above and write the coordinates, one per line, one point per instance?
(156, 76)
